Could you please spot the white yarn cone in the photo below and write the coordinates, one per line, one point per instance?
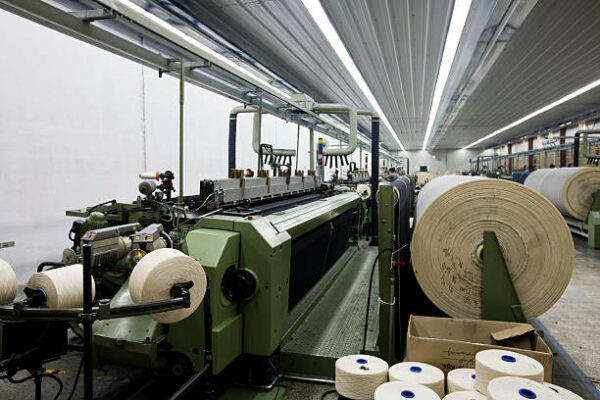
(421, 373)
(563, 393)
(515, 388)
(461, 379)
(399, 390)
(490, 364)
(357, 376)
(465, 395)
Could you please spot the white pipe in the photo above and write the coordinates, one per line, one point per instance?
(352, 115)
(256, 140)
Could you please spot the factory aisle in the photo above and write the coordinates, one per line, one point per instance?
(573, 321)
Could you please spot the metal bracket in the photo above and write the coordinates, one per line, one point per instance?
(500, 300)
(4, 245)
(94, 15)
(173, 65)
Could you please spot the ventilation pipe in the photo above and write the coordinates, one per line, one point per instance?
(352, 116)
(233, 132)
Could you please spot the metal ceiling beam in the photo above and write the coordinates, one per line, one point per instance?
(214, 78)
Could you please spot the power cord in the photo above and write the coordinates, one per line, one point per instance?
(369, 297)
(76, 379)
(54, 378)
(327, 393)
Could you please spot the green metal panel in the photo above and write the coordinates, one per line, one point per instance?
(131, 341)
(218, 251)
(500, 300)
(386, 248)
(217, 222)
(187, 338)
(267, 253)
(304, 218)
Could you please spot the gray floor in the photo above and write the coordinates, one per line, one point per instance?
(573, 322)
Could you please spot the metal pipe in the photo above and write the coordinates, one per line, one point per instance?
(353, 117)
(297, 146)
(259, 114)
(181, 103)
(233, 132)
(88, 372)
(585, 151)
(311, 139)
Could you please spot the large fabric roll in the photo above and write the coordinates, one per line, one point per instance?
(157, 272)
(569, 189)
(8, 283)
(63, 286)
(447, 246)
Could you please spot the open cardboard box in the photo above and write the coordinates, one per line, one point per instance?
(450, 343)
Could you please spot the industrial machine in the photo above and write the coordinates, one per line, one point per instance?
(264, 245)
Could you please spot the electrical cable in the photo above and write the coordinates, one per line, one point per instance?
(327, 393)
(76, 379)
(278, 378)
(55, 378)
(369, 297)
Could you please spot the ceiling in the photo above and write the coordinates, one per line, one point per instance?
(514, 57)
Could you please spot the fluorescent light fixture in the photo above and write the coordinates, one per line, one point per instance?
(168, 31)
(542, 110)
(315, 9)
(457, 23)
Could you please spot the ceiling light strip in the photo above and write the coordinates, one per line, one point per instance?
(460, 12)
(316, 11)
(542, 110)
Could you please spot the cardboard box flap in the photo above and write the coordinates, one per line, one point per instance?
(520, 336)
(512, 332)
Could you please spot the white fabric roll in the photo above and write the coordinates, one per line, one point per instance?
(156, 273)
(452, 214)
(465, 395)
(569, 189)
(357, 376)
(563, 394)
(461, 379)
(421, 373)
(515, 388)
(399, 390)
(8, 283)
(490, 364)
(63, 286)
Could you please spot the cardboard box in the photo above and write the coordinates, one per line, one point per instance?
(450, 343)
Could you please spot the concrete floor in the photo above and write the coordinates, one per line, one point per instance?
(574, 322)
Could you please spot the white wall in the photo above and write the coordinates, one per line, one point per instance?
(77, 125)
(440, 161)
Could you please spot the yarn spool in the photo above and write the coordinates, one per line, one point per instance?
(8, 283)
(563, 393)
(400, 390)
(515, 388)
(156, 273)
(447, 246)
(461, 379)
(357, 376)
(569, 189)
(465, 395)
(364, 191)
(421, 373)
(491, 364)
(63, 286)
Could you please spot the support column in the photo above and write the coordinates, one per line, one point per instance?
(311, 149)
(510, 160)
(530, 157)
(374, 177)
(563, 153)
(232, 142)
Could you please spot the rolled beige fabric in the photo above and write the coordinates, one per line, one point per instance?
(63, 286)
(156, 273)
(569, 189)
(447, 246)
